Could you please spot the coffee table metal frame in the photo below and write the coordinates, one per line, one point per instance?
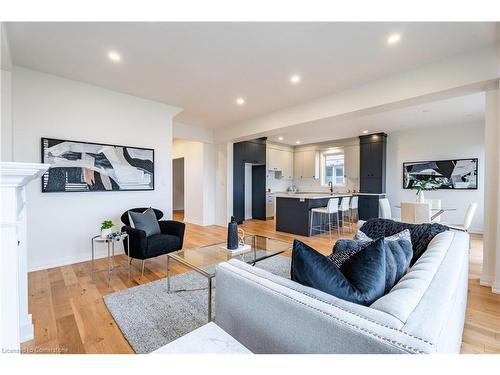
(211, 275)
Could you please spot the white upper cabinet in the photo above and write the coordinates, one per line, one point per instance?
(280, 161)
(306, 164)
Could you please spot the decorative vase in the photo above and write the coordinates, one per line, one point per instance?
(105, 233)
(232, 234)
(420, 197)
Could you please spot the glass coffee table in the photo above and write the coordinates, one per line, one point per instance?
(205, 259)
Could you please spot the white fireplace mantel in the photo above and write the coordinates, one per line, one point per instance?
(15, 325)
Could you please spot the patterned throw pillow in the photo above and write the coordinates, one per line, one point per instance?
(403, 235)
(344, 249)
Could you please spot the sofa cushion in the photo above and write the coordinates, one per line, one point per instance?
(158, 243)
(421, 234)
(361, 279)
(145, 221)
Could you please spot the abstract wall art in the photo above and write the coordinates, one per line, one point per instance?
(83, 166)
(459, 174)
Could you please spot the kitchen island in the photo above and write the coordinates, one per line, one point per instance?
(293, 211)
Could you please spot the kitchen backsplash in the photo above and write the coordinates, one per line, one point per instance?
(305, 184)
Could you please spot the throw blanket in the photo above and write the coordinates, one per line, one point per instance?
(421, 234)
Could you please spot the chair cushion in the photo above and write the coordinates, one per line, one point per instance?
(145, 221)
(361, 279)
(159, 244)
(421, 234)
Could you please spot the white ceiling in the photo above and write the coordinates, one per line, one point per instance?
(454, 111)
(204, 67)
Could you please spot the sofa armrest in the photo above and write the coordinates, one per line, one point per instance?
(175, 228)
(137, 241)
(268, 317)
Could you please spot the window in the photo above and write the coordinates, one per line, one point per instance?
(332, 165)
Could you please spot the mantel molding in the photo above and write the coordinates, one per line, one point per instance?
(13, 174)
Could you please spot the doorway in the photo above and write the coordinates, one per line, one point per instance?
(178, 188)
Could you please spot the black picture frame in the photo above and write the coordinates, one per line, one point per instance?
(46, 174)
(443, 165)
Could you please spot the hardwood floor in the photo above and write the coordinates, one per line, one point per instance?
(70, 316)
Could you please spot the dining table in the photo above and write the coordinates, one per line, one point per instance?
(436, 212)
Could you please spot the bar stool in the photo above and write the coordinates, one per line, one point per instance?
(325, 213)
(345, 213)
(353, 205)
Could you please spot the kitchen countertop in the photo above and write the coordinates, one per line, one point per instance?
(312, 195)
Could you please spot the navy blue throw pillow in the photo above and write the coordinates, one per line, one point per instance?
(361, 279)
(398, 254)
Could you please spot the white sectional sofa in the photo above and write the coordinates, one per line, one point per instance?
(423, 313)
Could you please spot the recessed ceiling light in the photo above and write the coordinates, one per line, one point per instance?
(114, 56)
(393, 38)
(240, 101)
(280, 138)
(365, 131)
(297, 142)
(295, 79)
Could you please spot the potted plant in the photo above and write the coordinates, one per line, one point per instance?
(106, 227)
(430, 183)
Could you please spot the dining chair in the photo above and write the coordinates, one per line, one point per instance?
(385, 208)
(469, 215)
(435, 205)
(415, 213)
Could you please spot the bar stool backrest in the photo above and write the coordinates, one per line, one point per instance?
(333, 205)
(354, 203)
(344, 204)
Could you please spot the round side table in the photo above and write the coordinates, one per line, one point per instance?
(110, 242)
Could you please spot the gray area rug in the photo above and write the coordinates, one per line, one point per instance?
(149, 317)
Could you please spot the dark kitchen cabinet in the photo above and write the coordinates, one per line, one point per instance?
(372, 163)
(252, 152)
(368, 206)
(238, 182)
(255, 153)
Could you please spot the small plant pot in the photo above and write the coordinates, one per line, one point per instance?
(105, 233)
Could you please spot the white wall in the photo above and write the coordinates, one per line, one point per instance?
(60, 225)
(6, 110)
(199, 180)
(192, 152)
(178, 184)
(437, 143)
(192, 133)
(223, 183)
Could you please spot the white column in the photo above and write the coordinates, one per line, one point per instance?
(15, 322)
(491, 252)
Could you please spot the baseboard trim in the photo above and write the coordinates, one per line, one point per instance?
(73, 259)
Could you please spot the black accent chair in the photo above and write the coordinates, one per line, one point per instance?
(170, 239)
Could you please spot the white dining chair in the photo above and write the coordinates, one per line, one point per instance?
(435, 205)
(385, 208)
(469, 215)
(415, 213)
